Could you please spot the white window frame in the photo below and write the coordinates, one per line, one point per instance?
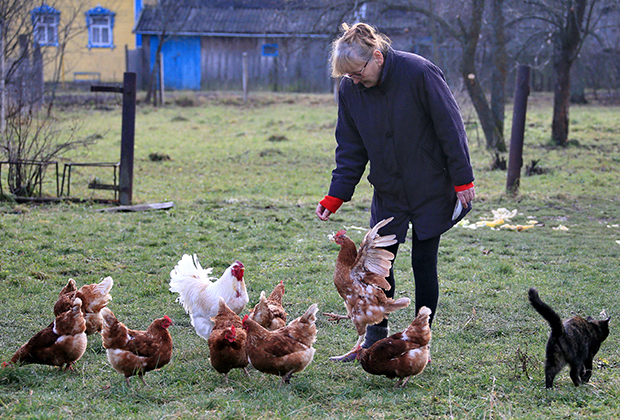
(45, 27)
(100, 32)
(100, 24)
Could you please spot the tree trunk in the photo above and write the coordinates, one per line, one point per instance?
(152, 83)
(494, 137)
(561, 102)
(567, 43)
(498, 78)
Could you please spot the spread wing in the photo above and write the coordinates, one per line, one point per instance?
(373, 262)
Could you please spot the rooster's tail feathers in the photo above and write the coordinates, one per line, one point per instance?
(190, 266)
(187, 275)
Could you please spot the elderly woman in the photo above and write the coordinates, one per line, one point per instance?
(396, 111)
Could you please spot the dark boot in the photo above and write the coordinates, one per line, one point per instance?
(374, 333)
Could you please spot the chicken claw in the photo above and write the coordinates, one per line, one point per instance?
(335, 317)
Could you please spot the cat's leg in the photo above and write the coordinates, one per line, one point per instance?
(576, 372)
(587, 373)
(552, 368)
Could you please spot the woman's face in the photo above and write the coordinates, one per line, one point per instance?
(369, 72)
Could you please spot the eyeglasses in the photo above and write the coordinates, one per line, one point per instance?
(360, 73)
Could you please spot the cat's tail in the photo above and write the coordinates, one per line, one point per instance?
(554, 320)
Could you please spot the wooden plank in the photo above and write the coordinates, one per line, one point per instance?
(140, 207)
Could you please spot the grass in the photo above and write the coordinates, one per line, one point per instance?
(245, 180)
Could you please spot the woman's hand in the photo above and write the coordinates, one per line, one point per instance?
(465, 196)
(322, 213)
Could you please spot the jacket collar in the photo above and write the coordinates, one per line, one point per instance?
(386, 71)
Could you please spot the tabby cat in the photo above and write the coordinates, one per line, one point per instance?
(574, 342)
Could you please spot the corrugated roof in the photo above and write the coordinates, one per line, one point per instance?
(241, 21)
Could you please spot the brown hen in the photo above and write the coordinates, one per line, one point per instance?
(94, 298)
(359, 277)
(285, 351)
(269, 311)
(227, 341)
(62, 343)
(132, 352)
(401, 355)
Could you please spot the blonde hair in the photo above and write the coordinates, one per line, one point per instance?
(355, 45)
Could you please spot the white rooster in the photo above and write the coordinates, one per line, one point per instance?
(199, 293)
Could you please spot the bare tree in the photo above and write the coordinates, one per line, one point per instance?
(465, 26)
(566, 25)
(31, 140)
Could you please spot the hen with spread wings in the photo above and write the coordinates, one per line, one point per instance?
(359, 277)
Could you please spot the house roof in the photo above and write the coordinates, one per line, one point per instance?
(242, 20)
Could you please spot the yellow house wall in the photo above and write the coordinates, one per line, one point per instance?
(108, 62)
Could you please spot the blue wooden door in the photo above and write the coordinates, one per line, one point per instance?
(181, 62)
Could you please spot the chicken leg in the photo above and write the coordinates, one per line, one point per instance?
(335, 317)
(349, 356)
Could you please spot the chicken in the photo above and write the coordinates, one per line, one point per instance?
(133, 352)
(62, 343)
(359, 277)
(199, 293)
(269, 312)
(227, 341)
(94, 298)
(403, 354)
(285, 351)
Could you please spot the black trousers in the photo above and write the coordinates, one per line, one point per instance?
(424, 265)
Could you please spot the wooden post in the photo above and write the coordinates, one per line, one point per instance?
(515, 159)
(128, 130)
(244, 59)
(2, 87)
(127, 139)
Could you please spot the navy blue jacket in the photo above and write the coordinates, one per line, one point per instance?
(410, 128)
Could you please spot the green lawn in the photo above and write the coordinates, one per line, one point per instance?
(245, 180)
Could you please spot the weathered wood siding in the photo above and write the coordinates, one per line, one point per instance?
(301, 64)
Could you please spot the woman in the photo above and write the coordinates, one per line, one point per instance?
(396, 111)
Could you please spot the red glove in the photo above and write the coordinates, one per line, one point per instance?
(331, 203)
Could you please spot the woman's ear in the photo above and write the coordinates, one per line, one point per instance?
(378, 56)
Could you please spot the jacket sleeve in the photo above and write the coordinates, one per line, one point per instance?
(448, 125)
(351, 155)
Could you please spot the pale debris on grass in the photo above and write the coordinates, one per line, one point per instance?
(501, 217)
(618, 242)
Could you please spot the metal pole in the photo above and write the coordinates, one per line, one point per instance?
(161, 80)
(244, 59)
(515, 159)
(127, 139)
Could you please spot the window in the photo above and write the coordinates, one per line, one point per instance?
(270, 50)
(100, 23)
(45, 25)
